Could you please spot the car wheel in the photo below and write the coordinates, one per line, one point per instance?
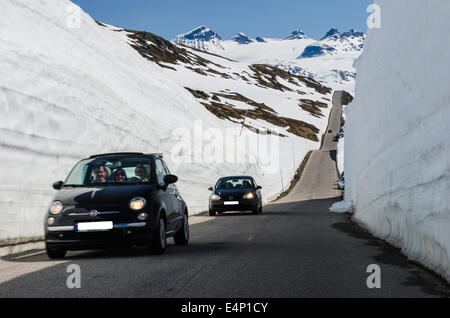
(54, 253)
(182, 236)
(260, 209)
(159, 242)
(255, 210)
(212, 213)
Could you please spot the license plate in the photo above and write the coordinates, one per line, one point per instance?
(231, 202)
(94, 226)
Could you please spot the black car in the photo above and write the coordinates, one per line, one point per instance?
(112, 200)
(239, 193)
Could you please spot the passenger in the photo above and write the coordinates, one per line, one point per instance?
(141, 173)
(100, 174)
(246, 185)
(120, 175)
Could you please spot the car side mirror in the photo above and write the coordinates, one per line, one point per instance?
(170, 178)
(258, 188)
(58, 185)
(210, 189)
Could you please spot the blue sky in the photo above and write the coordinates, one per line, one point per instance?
(266, 18)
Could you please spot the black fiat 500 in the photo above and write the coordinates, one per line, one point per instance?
(112, 200)
(235, 194)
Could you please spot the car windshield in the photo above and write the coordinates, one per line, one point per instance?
(115, 170)
(235, 183)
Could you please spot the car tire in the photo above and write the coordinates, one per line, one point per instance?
(255, 210)
(54, 253)
(182, 236)
(212, 213)
(260, 209)
(159, 241)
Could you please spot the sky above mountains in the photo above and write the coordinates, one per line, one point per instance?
(266, 18)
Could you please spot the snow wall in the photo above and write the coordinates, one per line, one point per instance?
(397, 148)
(70, 88)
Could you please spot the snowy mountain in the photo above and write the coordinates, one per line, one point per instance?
(201, 38)
(241, 38)
(296, 35)
(328, 60)
(331, 32)
(334, 43)
(67, 93)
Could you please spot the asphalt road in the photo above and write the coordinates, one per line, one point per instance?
(296, 248)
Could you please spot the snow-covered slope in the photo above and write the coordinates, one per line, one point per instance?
(330, 60)
(66, 93)
(397, 149)
(201, 38)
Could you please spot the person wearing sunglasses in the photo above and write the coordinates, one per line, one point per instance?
(120, 175)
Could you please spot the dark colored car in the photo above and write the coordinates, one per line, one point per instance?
(341, 182)
(239, 193)
(113, 200)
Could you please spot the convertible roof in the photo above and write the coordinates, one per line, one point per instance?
(125, 153)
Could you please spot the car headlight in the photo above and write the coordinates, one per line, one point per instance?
(56, 207)
(249, 196)
(215, 197)
(137, 203)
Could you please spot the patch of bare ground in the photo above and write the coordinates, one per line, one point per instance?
(198, 93)
(266, 75)
(242, 98)
(159, 50)
(209, 53)
(346, 98)
(260, 111)
(313, 107)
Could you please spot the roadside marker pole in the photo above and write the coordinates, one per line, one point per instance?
(282, 186)
(243, 122)
(293, 158)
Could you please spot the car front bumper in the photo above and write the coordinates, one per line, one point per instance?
(243, 205)
(125, 234)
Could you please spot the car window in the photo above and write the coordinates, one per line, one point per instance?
(165, 167)
(110, 171)
(235, 183)
(160, 171)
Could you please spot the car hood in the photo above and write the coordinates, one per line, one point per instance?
(99, 195)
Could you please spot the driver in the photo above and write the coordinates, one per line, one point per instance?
(141, 173)
(100, 174)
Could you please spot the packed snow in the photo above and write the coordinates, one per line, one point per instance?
(397, 150)
(342, 207)
(68, 91)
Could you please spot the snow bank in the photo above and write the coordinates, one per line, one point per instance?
(341, 207)
(397, 154)
(68, 92)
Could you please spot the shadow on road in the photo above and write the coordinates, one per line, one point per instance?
(314, 241)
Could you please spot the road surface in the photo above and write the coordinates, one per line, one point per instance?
(296, 248)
